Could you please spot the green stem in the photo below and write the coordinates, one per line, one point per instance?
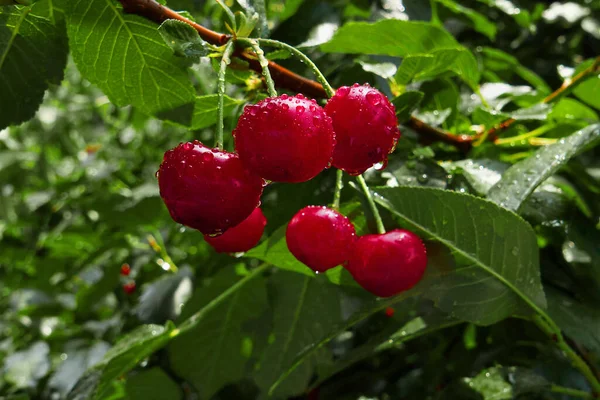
(304, 58)
(514, 139)
(264, 63)
(372, 205)
(483, 100)
(549, 327)
(338, 189)
(158, 245)
(195, 319)
(435, 19)
(571, 392)
(225, 61)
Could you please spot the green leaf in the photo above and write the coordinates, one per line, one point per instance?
(480, 22)
(490, 383)
(588, 90)
(153, 384)
(10, 157)
(571, 109)
(431, 48)
(33, 55)
(520, 180)
(393, 336)
(126, 57)
(525, 381)
(52, 10)
(391, 37)
(304, 310)
(210, 355)
(274, 251)
(538, 111)
(493, 269)
(183, 39)
(122, 358)
(386, 70)
(80, 357)
(290, 8)
(500, 61)
(491, 118)
(202, 113)
(372, 307)
(406, 103)
(519, 14)
(580, 321)
(459, 61)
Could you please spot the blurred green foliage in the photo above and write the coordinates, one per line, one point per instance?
(80, 199)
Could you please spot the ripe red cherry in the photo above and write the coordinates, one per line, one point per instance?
(241, 237)
(285, 139)
(129, 287)
(387, 264)
(207, 189)
(365, 126)
(320, 237)
(125, 269)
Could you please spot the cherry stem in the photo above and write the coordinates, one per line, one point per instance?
(371, 202)
(305, 59)
(225, 61)
(158, 245)
(264, 63)
(339, 184)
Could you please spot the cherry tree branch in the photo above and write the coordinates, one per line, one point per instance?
(286, 79)
(566, 88)
(283, 77)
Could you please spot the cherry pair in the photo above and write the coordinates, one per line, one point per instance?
(384, 264)
(292, 139)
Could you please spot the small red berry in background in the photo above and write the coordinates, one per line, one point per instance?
(365, 125)
(387, 264)
(241, 237)
(285, 139)
(125, 269)
(129, 287)
(389, 312)
(320, 237)
(207, 189)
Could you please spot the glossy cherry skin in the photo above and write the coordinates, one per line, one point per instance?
(207, 189)
(241, 237)
(387, 264)
(365, 126)
(285, 139)
(320, 237)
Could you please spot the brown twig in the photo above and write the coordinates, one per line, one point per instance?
(286, 79)
(283, 77)
(567, 86)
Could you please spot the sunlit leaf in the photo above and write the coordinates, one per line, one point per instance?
(126, 57)
(520, 180)
(33, 54)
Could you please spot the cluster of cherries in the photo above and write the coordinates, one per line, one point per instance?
(292, 139)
